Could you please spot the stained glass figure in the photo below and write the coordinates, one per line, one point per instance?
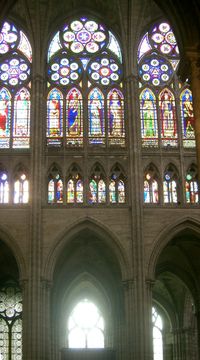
(148, 114)
(117, 186)
(74, 126)
(187, 118)
(169, 188)
(5, 118)
(92, 192)
(101, 191)
(150, 189)
(21, 123)
(168, 118)
(157, 335)
(105, 71)
(115, 108)
(55, 187)
(191, 186)
(10, 322)
(21, 189)
(96, 116)
(75, 190)
(4, 187)
(54, 117)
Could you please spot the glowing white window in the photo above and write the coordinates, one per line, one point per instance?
(157, 335)
(85, 326)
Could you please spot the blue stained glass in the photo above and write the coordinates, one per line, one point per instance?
(21, 122)
(104, 71)
(15, 71)
(155, 70)
(74, 113)
(163, 39)
(64, 70)
(92, 191)
(96, 113)
(167, 116)
(8, 38)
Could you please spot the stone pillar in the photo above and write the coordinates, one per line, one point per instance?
(179, 344)
(46, 352)
(128, 335)
(197, 313)
(194, 59)
(148, 320)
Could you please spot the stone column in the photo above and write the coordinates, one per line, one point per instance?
(128, 335)
(46, 286)
(179, 344)
(194, 59)
(148, 319)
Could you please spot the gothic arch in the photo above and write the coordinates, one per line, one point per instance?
(101, 231)
(164, 238)
(10, 242)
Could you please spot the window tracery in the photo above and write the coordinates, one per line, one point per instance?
(55, 186)
(15, 71)
(85, 58)
(151, 191)
(170, 190)
(191, 185)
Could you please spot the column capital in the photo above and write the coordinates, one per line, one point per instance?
(149, 283)
(46, 284)
(128, 284)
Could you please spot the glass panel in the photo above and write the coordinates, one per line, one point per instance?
(113, 45)
(101, 191)
(146, 192)
(70, 191)
(24, 46)
(5, 118)
(74, 125)
(148, 114)
(154, 191)
(191, 192)
(112, 192)
(55, 117)
(4, 188)
(21, 123)
(96, 117)
(85, 326)
(92, 192)
(187, 119)
(4, 340)
(51, 191)
(79, 191)
(115, 105)
(121, 192)
(59, 191)
(168, 118)
(16, 345)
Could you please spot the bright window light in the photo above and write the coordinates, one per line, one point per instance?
(157, 335)
(85, 326)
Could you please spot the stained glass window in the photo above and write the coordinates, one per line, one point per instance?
(4, 187)
(170, 186)
(148, 115)
(54, 117)
(97, 186)
(117, 186)
(74, 186)
(74, 126)
(115, 108)
(168, 118)
(85, 326)
(191, 186)
(84, 56)
(15, 70)
(55, 186)
(96, 117)
(21, 188)
(10, 322)
(158, 59)
(187, 116)
(151, 194)
(157, 335)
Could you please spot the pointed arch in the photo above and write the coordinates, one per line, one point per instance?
(54, 117)
(168, 119)
(96, 117)
(170, 185)
(148, 116)
(115, 109)
(151, 184)
(74, 185)
(97, 185)
(74, 118)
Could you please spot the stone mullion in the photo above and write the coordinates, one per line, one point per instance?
(46, 352)
(128, 327)
(179, 344)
